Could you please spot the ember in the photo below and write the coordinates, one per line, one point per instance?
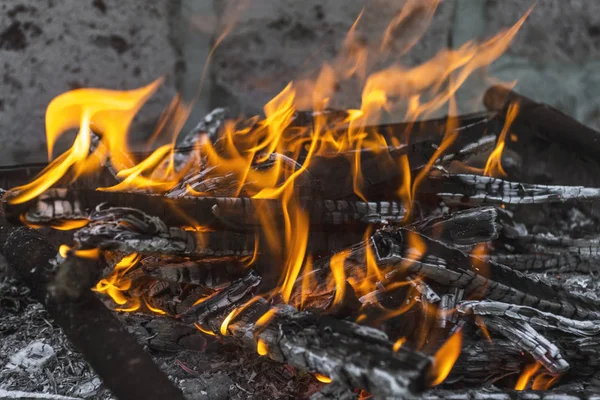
(388, 260)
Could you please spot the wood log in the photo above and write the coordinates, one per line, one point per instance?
(327, 346)
(239, 213)
(450, 267)
(114, 354)
(477, 190)
(545, 121)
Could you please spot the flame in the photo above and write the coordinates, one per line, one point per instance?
(398, 344)
(201, 329)
(90, 254)
(116, 286)
(526, 375)
(155, 310)
(261, 348)
(337, 269)
(445, 357)
(269, 158)
(109, 111)
(322, 378)
(493, 166)
(544, 381)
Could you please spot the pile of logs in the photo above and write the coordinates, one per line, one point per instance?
(497, 271)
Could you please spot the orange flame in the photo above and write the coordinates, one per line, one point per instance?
(116, 285)
(322, 378)
(245, 148)
(544, 381)
(493, 166)
(445, 357)
(526, 375)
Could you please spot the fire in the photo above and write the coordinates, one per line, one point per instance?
(261, 348)
(116, 285)
(322, 378)
(109, 112)
(526, 375)
(339, 276)
(270, 157)
(91, 254)
(493, 166)
(544, 381)
(444, 359)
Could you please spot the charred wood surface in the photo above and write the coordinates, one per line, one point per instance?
(326, 345)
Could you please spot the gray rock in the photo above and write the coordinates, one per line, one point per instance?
(49, 47)
(31, 358)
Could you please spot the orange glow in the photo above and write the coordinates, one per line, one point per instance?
(445, 357)
(493, 166)
(201, 329)
(526, 375)
(261, 348)
(322, 378)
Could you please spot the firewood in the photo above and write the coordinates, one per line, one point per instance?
(327, 346)
(62, 204)
(211, 273)
(544, 121)
(476, 190)
(128, 372)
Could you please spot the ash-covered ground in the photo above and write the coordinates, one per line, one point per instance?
(36, 356)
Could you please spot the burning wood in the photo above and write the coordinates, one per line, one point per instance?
(384, 258)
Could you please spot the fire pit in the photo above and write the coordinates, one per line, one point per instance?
(434, 258)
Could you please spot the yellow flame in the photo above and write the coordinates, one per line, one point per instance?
(322, 378)
(91, 254)
(116, 286)
(398, 344)
(244, 152)
(109, 111)
(261, 348)
(337, 269)
(445, 357)
(155, 310)
(227, 320)
(201, 329)
(493, 166)
(526, 375)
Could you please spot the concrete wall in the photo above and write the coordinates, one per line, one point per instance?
(50, 46)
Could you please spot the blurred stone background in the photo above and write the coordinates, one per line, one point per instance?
(51, 46)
